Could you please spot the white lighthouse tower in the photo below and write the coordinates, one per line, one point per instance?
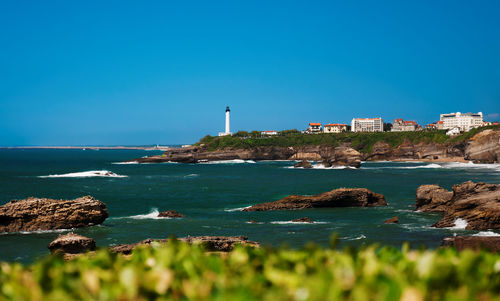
(227, 131)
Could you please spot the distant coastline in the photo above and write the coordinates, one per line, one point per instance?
(159, 148)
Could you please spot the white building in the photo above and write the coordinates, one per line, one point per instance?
(367, 125)
(269, 133)
(314, 127)
(463, 121)
(334, 128)
(453, 132)
(400, 125)
(227, 132)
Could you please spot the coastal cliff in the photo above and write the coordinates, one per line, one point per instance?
(481, 145)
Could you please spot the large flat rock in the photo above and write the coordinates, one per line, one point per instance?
(342, 197)
(33, 214)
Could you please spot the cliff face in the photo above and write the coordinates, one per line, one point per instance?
(484, 147)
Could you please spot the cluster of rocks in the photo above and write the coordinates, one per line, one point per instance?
(478, 204)
(71, 244)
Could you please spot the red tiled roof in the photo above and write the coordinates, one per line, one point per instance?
(440, 122)
(314, 124)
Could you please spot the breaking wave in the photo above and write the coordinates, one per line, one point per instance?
(40, 231)
(151, 215)
(237, 209)
(234, 161)
(460, 224)
(486, 233)
(86, 174)
(354, 238)
(295, 223)
(125, 163)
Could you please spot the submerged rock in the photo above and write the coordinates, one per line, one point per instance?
(303, 164)
(71, 243)
(302, 220)
(33, 214)
(171, 214)
(477, 204)
(342, 197)
(392, 220)
(211, 243)
(489, 243)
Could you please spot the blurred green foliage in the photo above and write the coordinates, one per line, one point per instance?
(178, 271)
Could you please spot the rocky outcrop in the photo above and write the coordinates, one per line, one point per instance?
(171, 214)
(432, 198)
(33, 214)
(334, 155)
(489, 243)
(210, 243)
(342, 197)
(343, 156)
(303, 164)
(392, 220)
(71, 244)
(478, 204)
(302, 220)
(484, 147)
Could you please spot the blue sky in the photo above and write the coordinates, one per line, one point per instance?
(125, 73)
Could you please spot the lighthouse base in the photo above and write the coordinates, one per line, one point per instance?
(225, 134)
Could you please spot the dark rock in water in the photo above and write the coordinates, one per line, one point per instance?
(71, 244)
(33, 214)
(392, 220)
(489, 243)
(171, 214)
(432, 198)
(211, 243)
(302, 220)
(342, 197)
(476, 203)
(303, 164)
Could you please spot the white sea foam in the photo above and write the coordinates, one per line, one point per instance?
(237, 209)
(486, 233)
(295, 223)
(86, 174)
(354, 238)
(321, 166)
(234, 161)
(192, 175)
(151, 215)
(460, 165)
(125, 163)
(460, 224)
(39, 231)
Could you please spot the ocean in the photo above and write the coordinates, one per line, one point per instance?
(211, 196)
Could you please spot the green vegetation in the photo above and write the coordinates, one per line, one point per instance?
(177, 271)
(362, 142)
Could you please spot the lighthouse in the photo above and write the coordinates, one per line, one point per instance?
(227, 130)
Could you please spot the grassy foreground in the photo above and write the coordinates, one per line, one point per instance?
(178, 271)
(362, 142)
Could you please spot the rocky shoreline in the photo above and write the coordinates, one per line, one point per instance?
(484, 147)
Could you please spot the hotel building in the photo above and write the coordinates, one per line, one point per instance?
(463, 121)
(367, 125)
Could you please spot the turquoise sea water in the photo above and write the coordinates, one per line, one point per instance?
(210, 195)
